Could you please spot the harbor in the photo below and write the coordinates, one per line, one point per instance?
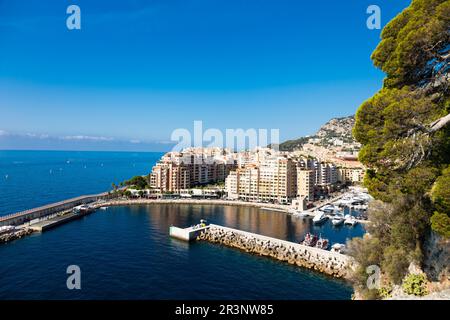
(141, 252)
(49, 216)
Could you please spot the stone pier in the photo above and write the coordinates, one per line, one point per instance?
(331, 263)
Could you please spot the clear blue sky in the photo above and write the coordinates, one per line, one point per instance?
(137, 70)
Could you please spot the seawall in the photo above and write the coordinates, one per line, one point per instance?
(331, 263)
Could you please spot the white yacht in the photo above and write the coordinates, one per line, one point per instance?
(319, 217)
(337, 220)
(328, 208)
(350, 220)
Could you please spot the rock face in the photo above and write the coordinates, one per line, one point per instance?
(437, 258)
(333, 264)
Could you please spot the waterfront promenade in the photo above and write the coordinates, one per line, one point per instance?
(105, 200)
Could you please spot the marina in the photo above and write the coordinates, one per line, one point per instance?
(141, 254)
(49, 216)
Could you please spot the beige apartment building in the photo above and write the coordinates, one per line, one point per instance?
(305, 183)
(351, 175)
(272, 180)
(178, 171)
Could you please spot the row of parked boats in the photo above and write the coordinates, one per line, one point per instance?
(320, 216)
(312, 240)
(335, 212)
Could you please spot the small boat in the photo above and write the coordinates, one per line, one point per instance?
(337, 220)
(300, 214)
(103, 208)
(82, 209)
(349, 220)
(310, 240)
(322, 243)
(319, 217)
(338, 247)
(328, 208)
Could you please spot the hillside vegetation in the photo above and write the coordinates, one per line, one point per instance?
(405, 140)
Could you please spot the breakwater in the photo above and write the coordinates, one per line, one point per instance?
(331, 263)
(15, 235)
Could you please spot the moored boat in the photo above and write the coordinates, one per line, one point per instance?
(337, 220)
(319, 217)
(350, 220)
(310, 240)
(338, 247)
(322, 243)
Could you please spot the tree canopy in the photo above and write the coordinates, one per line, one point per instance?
(139, 182)
(405, 138)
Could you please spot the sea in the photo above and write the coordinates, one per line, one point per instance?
(126, 252)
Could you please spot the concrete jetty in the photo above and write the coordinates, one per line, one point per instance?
(186, 234)
(334, 264)
(44, 225)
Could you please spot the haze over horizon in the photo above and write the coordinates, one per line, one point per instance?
(138, 70)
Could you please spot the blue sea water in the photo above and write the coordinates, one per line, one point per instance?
(33, 178)
(126, 253)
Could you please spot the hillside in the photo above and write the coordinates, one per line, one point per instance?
(336, 132)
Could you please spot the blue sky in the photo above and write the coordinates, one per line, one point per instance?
(137, 70)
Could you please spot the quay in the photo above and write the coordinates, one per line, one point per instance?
(44, 225)
(332, 263)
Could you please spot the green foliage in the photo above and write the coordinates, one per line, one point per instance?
(138, 182)
(395, 263)
(411, 40)
(385, 292)
(366, 251)
(391, 126)
(291, 145)
(415, 284)
(440, 222)
(441, 192)
(127, 193)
